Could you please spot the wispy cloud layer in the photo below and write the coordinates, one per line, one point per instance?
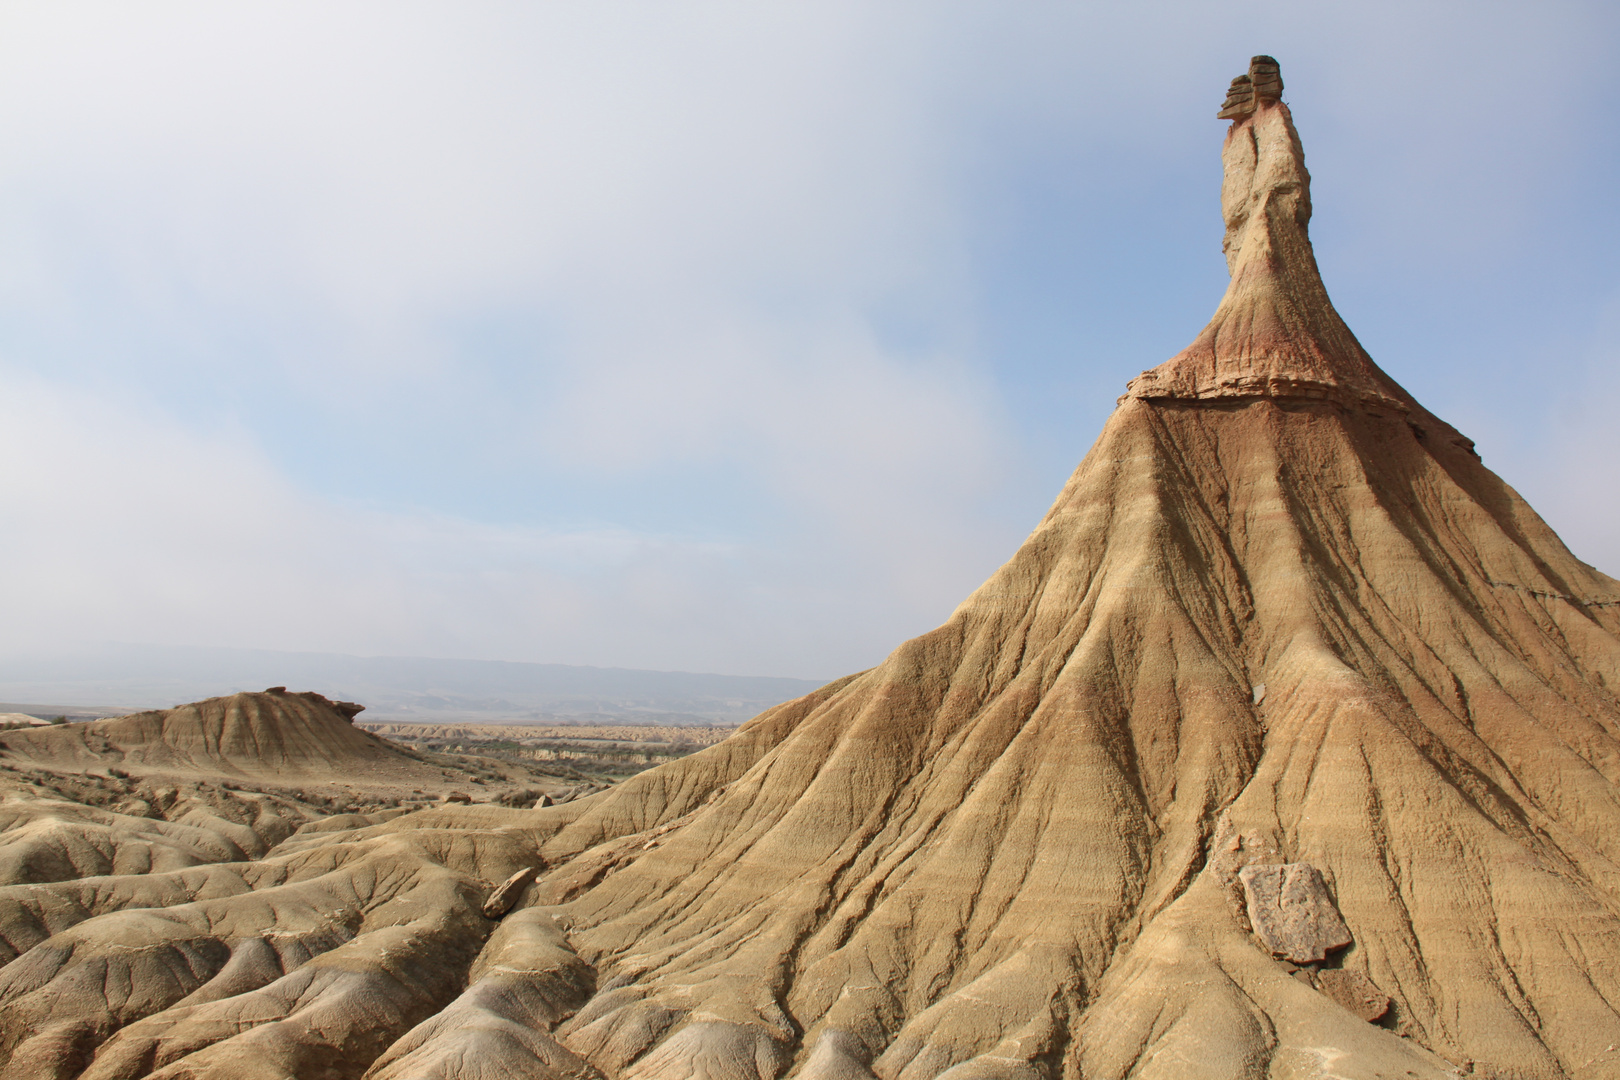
(717, 336)
(121, 528)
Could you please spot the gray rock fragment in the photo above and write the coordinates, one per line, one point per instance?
(1291, 911)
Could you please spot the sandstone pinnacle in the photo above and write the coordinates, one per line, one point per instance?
(1275, 333)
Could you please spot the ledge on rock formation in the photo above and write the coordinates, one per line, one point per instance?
(1281, 625)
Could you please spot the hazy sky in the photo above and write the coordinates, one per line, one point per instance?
(730, 337)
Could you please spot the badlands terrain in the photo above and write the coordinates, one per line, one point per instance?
(1286, 746)
(230, 776)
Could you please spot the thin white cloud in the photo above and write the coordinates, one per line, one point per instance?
(118, 525)
(634, 333)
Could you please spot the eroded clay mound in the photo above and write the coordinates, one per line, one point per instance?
(1287, 746)
(273, 733)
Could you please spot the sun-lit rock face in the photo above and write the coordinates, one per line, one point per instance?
(1279, 618)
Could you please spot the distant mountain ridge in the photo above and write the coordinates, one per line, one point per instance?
(123, 676)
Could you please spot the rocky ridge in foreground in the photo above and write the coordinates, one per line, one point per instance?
(1287, 745)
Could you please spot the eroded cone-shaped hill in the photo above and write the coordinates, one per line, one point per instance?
(1280, 616)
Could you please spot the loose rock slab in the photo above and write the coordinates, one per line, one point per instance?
(1355, 992)
(501, 900)
(1292, 912)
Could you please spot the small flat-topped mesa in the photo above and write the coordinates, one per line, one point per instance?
(1275, 333)
(1262, 83)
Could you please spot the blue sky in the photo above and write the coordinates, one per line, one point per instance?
(717, 336)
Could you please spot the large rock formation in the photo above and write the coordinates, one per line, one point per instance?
(1280, 615)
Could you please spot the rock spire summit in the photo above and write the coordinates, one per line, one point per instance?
(1261, 83)
(1275, 333)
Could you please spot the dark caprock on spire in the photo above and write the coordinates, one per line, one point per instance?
(1263, 83)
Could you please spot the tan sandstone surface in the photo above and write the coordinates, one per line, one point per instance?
(1285, 673)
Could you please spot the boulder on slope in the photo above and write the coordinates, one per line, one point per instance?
(1292, 912)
